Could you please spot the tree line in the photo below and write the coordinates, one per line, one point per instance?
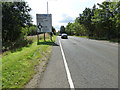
(100, 23)
(15, 17)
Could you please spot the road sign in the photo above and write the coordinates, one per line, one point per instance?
(44, 22)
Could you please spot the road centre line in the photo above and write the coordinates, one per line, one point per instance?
(67, 69)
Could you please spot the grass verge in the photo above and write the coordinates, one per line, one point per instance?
(111, 40)
(81, 36)
(18, 67)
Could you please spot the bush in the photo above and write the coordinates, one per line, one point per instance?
(21, 42)
(32, 30)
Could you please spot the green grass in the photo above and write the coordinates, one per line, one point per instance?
(111, 40)
(115, 40)
(81, 36)
(18, 66)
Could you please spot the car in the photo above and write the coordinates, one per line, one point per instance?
(59, 35)
(64, 36)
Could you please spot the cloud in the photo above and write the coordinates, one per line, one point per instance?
(66, 19)
(63, 11)
(57, 27)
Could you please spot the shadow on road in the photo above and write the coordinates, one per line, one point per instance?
(55, 44)
(48, 43)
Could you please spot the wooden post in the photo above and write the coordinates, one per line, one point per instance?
(51, 36)
(37, 38)
(44, 36)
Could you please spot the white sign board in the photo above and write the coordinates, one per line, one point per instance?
(44, 22)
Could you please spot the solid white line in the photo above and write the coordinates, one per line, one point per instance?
(67, 69)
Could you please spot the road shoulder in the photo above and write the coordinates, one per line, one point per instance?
(55, 74)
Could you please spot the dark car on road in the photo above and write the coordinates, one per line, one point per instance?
(64, 36)
(59, 35)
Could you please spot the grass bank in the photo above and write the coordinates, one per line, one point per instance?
(111, 40)
(18, 66)
(81, 36)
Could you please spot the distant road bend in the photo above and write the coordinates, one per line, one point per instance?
(91, 63)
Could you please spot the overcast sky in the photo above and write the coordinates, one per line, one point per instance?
(63, 11)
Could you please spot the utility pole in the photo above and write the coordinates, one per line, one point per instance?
(47, 7)
(47, 13)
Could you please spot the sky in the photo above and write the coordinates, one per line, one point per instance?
(63, 11)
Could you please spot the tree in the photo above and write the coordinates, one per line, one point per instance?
(105, 20)
(15, 15)
(32, 30)
(68, 29)
(100, 23)
(117, 18)
(53, 30)
(62, 29)
(85, 19)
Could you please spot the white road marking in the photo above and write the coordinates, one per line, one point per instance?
(67, 69)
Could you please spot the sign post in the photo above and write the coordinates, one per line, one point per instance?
(37, 38)
(44, 36)
(44, 23)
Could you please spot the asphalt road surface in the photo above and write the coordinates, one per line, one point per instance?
(91, 64)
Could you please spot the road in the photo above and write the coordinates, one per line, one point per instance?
(91, 63)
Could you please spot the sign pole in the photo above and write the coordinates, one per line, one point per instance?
(37, 38)
(51, 36)
(44, 36)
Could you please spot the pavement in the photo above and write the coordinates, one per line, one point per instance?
(91, 63)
